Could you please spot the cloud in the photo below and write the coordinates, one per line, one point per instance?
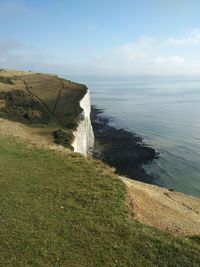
(122, 56)
(175, 60)
(9, 45)
(9, 50)
(16, 55)
(145, 55)
(135, 50)
(11, 10)
(193, 38)
(9, 7)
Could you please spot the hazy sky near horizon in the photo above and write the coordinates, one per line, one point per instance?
(101, 37)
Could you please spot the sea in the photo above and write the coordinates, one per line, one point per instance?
(165, 112)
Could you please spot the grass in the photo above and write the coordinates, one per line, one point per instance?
(38, 99)
(42, 99)
(61, 210)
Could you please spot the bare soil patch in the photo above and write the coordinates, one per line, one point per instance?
(155, 206)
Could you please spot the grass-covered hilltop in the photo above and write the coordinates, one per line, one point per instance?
(43, 101)
(59, 208)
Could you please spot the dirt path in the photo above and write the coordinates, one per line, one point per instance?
(172, 211)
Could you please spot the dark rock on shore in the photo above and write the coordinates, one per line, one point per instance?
(120, 148)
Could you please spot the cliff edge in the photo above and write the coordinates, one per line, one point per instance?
(83, 135)
(58, 107)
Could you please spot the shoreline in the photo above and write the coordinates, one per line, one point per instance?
(121, 149)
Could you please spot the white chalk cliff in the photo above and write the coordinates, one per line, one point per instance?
(84, 136)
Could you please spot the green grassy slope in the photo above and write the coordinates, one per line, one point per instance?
(39, 99)
(61, 210)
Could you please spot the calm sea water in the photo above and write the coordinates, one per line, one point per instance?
(166, 113)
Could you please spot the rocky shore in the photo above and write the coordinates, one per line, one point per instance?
(120, 148)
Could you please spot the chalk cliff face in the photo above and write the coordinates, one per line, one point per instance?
(84, 136)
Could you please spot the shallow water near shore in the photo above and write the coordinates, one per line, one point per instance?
(165, 111)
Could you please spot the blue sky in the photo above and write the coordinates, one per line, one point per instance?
(101, 37)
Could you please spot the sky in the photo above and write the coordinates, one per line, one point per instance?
(107, 37)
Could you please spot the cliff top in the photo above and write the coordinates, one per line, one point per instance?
(41, 100)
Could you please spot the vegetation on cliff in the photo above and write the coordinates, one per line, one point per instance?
(42, 100)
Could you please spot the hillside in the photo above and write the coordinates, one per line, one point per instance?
(42, 100)
(159, 207)
(59, 208)
(66, 210)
